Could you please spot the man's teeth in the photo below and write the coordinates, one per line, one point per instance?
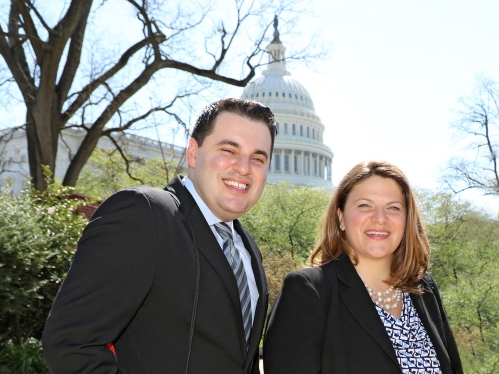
(241, 186)
(377, 233)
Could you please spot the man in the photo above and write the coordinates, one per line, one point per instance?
(152, 288)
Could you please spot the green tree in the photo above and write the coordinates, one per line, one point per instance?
(38, 237)
(465, 262)
(285, 224)
(106, 173)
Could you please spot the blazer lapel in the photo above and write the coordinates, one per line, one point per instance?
(261, 283)
(360, 305)
(205, 241)
(429, 314)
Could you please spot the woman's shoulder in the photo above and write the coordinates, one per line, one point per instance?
(314, 274)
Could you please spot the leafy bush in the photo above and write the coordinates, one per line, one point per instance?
(285, 224)
(22, 358)
(38, 236)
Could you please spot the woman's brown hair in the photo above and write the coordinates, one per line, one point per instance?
(410, 259)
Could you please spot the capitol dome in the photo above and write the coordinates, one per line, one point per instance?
(300, 157)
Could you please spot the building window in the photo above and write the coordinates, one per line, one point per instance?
(270, 94)
(257, 94)
(252, 95)
(315, 168)
(285, 129)
(294, 129)
(296, 96)
(301, 97)
(290, 96)
(308, 132)
(313, 133)
(301, 130)
(263, 94)
(296, 164)
(277, 125)
(277, 94)
(286, 163)
(283, 94)
(277, 164)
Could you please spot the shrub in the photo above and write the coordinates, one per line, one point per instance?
(38, 236)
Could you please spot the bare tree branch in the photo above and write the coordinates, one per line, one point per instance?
(477, 166)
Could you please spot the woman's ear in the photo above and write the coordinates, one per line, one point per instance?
(340, 217)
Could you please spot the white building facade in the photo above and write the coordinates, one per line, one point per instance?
(300, 156)
(14, 153)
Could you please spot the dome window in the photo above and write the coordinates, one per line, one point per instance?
(308, 132)
(277, 125)
(277, 165)
(301, 130)
(285, 129)
(252, 95)
(263, 94)
(277, 94)
(290, 96)
(296, 96)
(313, 133)
(286, 163)
(257, 94)
(283, 94)
(301, 97)
(293, 129)
(270, 94)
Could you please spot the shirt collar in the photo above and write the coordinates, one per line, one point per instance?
(207, 213)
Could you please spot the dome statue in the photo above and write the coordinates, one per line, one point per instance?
(300, 156)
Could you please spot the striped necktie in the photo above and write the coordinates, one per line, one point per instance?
(237, 266)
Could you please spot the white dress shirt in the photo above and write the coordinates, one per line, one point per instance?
(238, 242)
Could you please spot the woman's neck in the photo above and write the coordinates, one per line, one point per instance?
(374, 273)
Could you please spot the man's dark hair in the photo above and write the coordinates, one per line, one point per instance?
(244, 108)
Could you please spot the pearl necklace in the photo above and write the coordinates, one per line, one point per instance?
(380, 300)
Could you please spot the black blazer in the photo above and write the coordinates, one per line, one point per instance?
(149, 276)
(324, 322)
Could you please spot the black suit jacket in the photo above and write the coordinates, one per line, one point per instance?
(324, 322)
(150, 277)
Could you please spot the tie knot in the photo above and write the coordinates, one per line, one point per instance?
(223, 230)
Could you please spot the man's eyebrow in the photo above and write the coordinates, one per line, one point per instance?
(237, 145)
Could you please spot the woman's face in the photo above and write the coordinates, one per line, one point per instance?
(374, 218)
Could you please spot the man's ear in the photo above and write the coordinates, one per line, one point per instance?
(192, 153)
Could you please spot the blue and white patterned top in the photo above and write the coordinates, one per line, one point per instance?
(413, 347)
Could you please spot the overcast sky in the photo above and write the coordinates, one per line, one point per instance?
(393, 79)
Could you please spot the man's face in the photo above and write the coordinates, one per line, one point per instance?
(230, 169)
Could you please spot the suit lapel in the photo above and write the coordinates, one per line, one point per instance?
(360, 305)
(261, 283)
(205, 241)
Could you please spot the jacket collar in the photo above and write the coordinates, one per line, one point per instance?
(360, 305)
(205, 241)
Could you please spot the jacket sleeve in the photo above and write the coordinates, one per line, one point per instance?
(449, 337)
(108, 280)
(295, 329)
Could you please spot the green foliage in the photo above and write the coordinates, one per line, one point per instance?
(106, 173)
(285, 224)
(38, 236)
(286, 219)
(23, 358)
(465, 258)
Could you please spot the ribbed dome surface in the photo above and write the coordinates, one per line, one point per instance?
(274, 88)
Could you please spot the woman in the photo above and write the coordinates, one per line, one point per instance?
(367, 305)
